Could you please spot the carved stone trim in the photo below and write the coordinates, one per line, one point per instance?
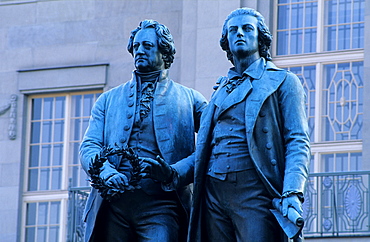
(12, 105)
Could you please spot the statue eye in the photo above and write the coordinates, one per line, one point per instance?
(232, 29)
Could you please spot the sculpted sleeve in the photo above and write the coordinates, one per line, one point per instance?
(94, 136)
(185, 167)
(296, 136)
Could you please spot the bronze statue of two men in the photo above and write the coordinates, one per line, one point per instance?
(252, 145)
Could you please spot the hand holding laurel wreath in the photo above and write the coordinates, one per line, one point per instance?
(107, 180)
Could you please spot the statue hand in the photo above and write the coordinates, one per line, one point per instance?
(118, 180)
(112, 178)
(156, 169)
(292, 201)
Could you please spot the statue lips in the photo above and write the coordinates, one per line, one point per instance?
(140, 59)
(240, 41)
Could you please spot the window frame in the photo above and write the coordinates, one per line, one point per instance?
(60, 195)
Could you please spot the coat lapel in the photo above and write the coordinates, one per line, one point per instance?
(262, 89)
(236, 96)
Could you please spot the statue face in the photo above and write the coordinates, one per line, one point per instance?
(146, 53)
(243, 35)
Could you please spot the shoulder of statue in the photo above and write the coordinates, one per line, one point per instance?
(219, 81)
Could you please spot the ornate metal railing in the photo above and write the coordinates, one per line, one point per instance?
(76, 204)
(337, 204)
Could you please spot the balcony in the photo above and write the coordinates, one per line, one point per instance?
(336, 205)
(76, 203)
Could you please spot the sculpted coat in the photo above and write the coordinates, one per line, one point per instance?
(176, 116)
(277, 137)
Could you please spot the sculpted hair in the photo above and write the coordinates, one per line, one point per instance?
(166, 44)
(264, 35)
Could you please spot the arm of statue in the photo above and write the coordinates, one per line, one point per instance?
(93, 140)
(295, 134)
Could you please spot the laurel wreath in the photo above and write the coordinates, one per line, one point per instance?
(108, 192)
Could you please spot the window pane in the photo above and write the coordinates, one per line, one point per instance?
(88, 103)
(46, 131)
(59, 107)
(358, 10)
(30, 234)
(58, 130)
(54, 212)
(42, 213)
(45, 155)
(345, 11)
(57, 154)
(76, 129)
(44, 179)
(48, 108)
(311, 14)
(310, 41)
(282, 42)
(41, 234)
(283, 17)
(297, 16)
(296, 42)
(31, 214)
(53, 233)
(34, 156)
(36, 108)
(331, 36)
(57, 178)
(358, 36)
(35, 132)
(76, 105)
(33, 179)
(344, 35)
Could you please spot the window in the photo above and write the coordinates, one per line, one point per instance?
(56, 127)
(344, 24)
(305, 33)
(296, 27)
(313, 26)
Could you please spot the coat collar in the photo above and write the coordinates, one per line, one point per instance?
(255, 70)
(162, 76)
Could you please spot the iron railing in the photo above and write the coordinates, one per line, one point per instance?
(336, 205)
(76, 203)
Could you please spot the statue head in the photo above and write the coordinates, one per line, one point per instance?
(164, 41)
(264, 35)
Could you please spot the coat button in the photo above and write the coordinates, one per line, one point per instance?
(131, 94)
(126, 127)
(122, 140)
(265, 129)
(269, 146)
(131, 103)
(262, 114)
(273, 162)
(129, 115)
(228, 167)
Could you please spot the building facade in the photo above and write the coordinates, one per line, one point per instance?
(58, 56)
